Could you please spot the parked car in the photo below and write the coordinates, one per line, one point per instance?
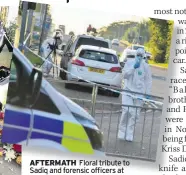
(148, 55)
(127, 54)
(110, 43)
(38, 115)
(95, 64)
(115, 42)
(131, 50)
(73, 44)
(135, 47)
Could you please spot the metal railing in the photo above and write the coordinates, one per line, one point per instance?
(108, 115)
(146, 130)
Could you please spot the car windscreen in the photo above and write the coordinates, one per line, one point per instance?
(116, 44)
(130, 56)
(99, 56)
(92, 42)
(137, 47)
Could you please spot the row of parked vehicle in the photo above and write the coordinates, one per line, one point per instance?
(93, 59)
(58, 123)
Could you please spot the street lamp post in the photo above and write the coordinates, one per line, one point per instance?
(43, 28)
(23, 25)
(29, 24)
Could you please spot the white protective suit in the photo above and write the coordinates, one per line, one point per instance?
(45, 51)
(137, 80)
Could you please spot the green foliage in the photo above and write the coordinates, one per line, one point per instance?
(155, 35)
(160, 39)
(169, 37)
(116, 29)
(141, 29)
(11, 30)
(131, 34)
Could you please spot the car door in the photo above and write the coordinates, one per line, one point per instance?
(47, 126)
(17, 117)
(65, 57)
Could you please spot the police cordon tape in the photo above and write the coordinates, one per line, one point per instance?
(27, 38)
(110, 89)
(80, 78)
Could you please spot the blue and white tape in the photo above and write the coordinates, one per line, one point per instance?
(110, 89)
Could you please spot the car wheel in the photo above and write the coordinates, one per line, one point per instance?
(115, 94)
(63, 75)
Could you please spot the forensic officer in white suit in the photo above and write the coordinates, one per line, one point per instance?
(50, 45)
(137, 77)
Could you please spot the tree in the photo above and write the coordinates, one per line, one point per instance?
(139, 32)
(11, 30)
(169, 37)
(116, 29)
(131, 34)
(161, 32)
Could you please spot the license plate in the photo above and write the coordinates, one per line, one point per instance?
(101, 71)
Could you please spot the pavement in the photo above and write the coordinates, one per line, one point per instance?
(108, 116)
(7, 168)
(146, 130)
(5, 57)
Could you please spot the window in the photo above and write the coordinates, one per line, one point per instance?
(115, 44)
(91, 41)
(77, 52)
(44, 103)
(137, 47)
(98, 56)
(16, 88)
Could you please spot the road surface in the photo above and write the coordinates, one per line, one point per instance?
(7, 168)
(108, 116)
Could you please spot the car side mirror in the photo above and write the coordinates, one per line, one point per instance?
(34, 85)
(122, 64)
(69, 54)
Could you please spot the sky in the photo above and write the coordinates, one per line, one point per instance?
(77, 20)
(13, 12)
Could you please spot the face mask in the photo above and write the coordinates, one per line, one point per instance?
(139, 58)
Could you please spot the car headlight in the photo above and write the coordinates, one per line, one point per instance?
(93, 132)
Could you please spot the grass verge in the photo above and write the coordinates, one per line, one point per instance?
(35, 60)
(161, 65)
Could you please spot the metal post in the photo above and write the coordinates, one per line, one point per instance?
(139, 33)
(118, 31)
(29, 25)
(94, 95)
(23, 25)
(43, 28)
